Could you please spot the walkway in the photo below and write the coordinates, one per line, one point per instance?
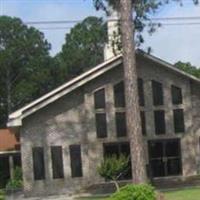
(20, 196)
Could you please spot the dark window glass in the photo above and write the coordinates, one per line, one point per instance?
(179, 126)
(76, 162)
(165, 157)
(143, 122)
(159, 118)
(157, 90)
(156, 149)
(119, 96)
(99, 99)
(4, 171)
(38, 163)
(117, 149)
(172, 148)
(17, 160)
(141, 91)
(57, 162)
(121, 124)
(111, 149)
(158, 168)
(101, 125)
(176, 95)
(174, 166)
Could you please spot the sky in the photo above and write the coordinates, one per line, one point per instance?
(170, 42)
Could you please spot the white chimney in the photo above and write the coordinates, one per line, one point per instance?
(112, 47)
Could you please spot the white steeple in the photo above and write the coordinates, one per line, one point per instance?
(111, 48)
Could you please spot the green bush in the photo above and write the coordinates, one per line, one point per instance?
(17, 173)
(2, 195)
(13, 184)
(113, 167)
(16, 182)
(135, 192)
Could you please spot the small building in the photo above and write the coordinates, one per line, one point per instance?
(9, 155)
(67, 133)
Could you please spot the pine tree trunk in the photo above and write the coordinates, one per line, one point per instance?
(131, 93)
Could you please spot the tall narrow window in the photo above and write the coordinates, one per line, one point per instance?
(57, 162)
(176, 95)
(76, 162)
(119, 96)
(179, 126)
(38, 163)
(141, 92)
(121, 124)
(101, 125)
(159, 118)
(100, 115)
(99, 99)
(157, 90)
(143, 122)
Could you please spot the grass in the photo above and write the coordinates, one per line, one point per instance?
(183, 194)
(2, 197)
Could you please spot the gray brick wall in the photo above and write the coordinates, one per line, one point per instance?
(71, 120)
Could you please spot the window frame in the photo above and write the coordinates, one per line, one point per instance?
(158, 130)
(74, 173)
(182, 118)
(120, 133)
(177, 95)
(143, 122)
(141, 96)
(118, 146)
(57, 164)
(99, 105)
(99, 125)
(41, 175)
(100, 111)
(121, 103)
(157, 87)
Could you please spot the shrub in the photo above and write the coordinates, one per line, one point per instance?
(113, 167)
(16, 182)
(2, 195)
(13, 184)
(17, 173)
(135, 192)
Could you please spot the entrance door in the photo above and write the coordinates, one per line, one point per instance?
(165, 157)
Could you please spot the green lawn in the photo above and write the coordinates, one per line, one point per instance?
(184, 194)
(1, 195)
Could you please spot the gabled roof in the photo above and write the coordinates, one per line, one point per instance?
(15, 119)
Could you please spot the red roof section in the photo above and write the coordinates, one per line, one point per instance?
(8, 140)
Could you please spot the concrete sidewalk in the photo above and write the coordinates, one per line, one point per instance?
(20, 196)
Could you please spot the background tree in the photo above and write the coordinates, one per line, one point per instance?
(84, 46)
(189, 68)
(24, 65)
(113, 168)
(143, 10)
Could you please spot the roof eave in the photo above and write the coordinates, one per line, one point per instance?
(15, 122)
(15, 119)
